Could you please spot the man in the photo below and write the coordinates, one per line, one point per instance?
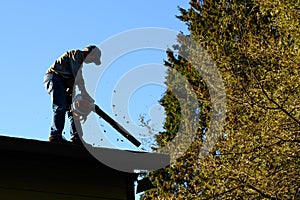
(59, 82)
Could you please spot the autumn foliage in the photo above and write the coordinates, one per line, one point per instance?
(255, 46)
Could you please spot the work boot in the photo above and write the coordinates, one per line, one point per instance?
(76, 140)
(58, 139)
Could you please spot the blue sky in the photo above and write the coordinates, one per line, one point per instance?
(35, 33)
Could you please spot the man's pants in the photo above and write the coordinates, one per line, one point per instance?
(61, 101)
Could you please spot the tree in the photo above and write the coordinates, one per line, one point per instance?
(255, 45)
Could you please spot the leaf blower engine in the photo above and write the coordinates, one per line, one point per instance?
(82, 107)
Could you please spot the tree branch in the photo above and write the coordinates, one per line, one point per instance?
(274, 102)
(261, 192)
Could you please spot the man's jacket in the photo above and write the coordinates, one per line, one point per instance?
(68, 67)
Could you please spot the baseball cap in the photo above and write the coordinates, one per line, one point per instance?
(96, 51)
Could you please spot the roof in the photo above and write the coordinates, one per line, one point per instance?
(41, 167)
(127, 158)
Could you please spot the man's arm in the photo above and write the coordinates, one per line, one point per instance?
(81, 86)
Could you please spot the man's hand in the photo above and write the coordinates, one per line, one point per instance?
(82, 105)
